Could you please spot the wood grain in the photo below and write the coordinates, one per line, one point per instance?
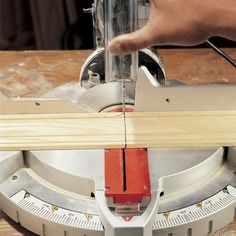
(181, 129)
(62, 131)
(110, 130)
(198, 66)
(33, 73)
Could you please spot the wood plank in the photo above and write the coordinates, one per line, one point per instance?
(181, 129)
(106, 130)
(61, 131)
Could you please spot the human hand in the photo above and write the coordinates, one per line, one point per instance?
(180, 22)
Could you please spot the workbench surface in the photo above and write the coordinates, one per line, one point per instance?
(30, 74)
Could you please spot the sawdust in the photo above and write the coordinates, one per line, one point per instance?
(18, 82)
(30, 77)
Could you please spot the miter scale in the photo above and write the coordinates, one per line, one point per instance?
(158, 191)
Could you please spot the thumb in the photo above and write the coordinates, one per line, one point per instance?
(129, 43)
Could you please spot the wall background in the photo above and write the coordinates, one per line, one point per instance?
(45, 24)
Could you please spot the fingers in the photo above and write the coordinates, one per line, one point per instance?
(129, 43)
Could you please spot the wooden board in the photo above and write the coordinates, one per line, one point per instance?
(62, 131)
(181, 129)
(112, 130)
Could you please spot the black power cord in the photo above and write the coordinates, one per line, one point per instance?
(222, 53)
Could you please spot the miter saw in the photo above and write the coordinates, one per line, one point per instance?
(125, 192)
